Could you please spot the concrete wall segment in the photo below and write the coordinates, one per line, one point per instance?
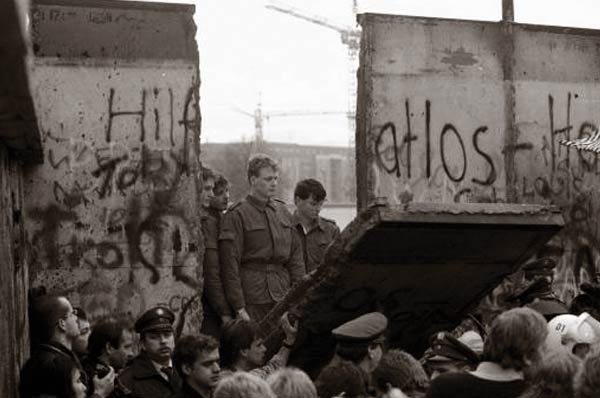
(113, 220)
(467, 111)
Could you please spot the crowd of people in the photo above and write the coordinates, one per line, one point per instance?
(255, 250)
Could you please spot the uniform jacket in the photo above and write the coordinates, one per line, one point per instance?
(315, 241)
(261, 252)
(214, 294)
(143, 380)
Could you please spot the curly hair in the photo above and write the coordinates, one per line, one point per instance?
(291, 383)
(401, 370)
(587, 381)
(243, 385)
(260, 161)
(188, 348)
(553, 376)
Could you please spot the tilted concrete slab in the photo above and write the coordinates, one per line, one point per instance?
(424, 265)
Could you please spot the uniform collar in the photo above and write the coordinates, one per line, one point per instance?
(259, 204)
(145, 368)
(296, 221)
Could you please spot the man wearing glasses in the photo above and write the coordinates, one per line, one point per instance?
(54, 328)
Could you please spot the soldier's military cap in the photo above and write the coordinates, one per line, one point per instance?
(155, 319)
(364, 329)
(445, 347)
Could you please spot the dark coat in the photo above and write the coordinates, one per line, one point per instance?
(143, 380)
(187, 392)
(38, 376)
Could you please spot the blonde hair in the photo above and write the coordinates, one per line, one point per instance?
(243, 385)
(292, 383)
(553, 376)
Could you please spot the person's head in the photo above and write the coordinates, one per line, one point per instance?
(155, 327)
(309, 196)
(361, 340)
(515, 339)
(587, 380)
(291, 383)
(113, 341)
(341, 377)
(552, 377)
(574, 334)
(80, 344)
(243, 385)
(449, 354)
(196, 358)
(220, 199)
(401, 370)
(52, 318)
(208, 184)
(241, 342)
(56, 376)
(263, 176)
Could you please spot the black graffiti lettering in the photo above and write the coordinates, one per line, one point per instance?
(56, 163)
(408, 138)
(171, 118)
(448, 127)
(384, 155)
(554, 131)
(51, 218)
(108, 255)
(461, 193)
(141, 114)
(491, 177)
(525, 191)
(108, 170)
(127, 178)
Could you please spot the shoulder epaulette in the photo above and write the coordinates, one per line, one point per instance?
(329, 220)
(280, 201)
(233, 206)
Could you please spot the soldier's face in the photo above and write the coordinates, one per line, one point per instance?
(220, 200)
(207, 192)
(205, 371)
(264, 186)
(309, 207)
(158, 345)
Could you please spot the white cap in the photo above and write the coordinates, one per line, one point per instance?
(567, 330)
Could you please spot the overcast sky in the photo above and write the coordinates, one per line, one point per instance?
(249, 52)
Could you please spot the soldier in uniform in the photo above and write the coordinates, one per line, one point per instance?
(214, 304)
(150, 374)
(360, 341)
(316, 232)
(261, 253)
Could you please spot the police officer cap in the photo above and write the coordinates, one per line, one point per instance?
(155, 319)
(365, 328)
(445, 347)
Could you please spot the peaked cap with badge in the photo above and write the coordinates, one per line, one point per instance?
(155, 319)
(364, 329)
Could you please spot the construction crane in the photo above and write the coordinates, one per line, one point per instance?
(260, 117)
(350, 37)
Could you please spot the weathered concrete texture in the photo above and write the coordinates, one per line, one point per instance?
(14, 336)
(113, 216)
(18, 125)
(466, 111)
(422, 265)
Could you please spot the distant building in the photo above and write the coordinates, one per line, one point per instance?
(333, 166)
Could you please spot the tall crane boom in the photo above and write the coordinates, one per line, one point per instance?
(350, 37)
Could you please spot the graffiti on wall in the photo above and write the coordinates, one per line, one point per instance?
(449, 163)
(116, 231)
